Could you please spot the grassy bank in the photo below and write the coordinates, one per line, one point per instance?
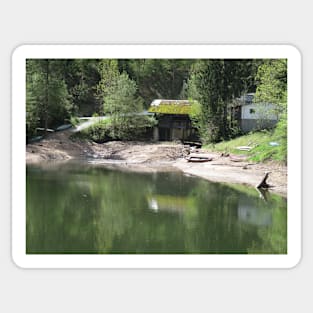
(266, 145)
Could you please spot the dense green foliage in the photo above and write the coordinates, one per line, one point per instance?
(48, 102)
(122, 104)
(109, 74)
(139, 128)
(272, 88)
(215, 84)
(82, 77)
(98, 132)
(158, 78)
(272, 82)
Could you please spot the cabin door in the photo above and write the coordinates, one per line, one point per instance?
(164, 134)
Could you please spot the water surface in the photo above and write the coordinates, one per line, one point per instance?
(88, 209)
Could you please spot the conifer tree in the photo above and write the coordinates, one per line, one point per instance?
(47, 99)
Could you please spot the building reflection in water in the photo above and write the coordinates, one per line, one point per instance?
(253, 212)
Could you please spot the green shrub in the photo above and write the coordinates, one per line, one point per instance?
(99, 132)
(74, 120)
(132, 127)
(136, 127)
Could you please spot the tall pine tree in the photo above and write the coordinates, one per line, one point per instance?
(47, 99)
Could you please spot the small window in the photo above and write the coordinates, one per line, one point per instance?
(252, 111)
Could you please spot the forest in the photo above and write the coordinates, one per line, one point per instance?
(60, 90)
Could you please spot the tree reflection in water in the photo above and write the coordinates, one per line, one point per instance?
(77, 208)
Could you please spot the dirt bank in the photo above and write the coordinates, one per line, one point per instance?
(59, 146)
(151, 156)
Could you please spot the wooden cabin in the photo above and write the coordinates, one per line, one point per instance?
(173, 118)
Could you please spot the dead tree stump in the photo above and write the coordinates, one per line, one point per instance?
(263, 184)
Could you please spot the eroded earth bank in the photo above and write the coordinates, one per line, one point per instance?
(150, 156)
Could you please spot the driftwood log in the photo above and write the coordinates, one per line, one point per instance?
(263, 184)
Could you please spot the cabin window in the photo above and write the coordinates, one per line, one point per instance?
(252, 111)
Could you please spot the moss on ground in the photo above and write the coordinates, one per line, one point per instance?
(260, 142)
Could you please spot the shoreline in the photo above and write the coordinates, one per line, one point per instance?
(245, 174)
(156, 156)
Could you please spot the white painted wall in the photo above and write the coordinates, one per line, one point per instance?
(261, 111)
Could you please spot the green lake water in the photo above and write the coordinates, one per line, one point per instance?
(86, 209)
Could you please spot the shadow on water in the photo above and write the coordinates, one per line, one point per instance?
(79, 208)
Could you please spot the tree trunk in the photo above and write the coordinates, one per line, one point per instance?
(46, 113)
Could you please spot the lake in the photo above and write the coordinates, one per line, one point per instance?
(78, 208)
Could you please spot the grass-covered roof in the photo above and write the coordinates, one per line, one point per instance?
(170, 107)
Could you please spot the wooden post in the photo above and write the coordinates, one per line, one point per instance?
(156, 133)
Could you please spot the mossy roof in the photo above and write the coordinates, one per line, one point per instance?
(171, 107)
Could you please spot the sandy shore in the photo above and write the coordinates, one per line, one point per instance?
(141, 156)
(221, 169)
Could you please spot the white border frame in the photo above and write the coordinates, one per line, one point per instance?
(198, 51)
